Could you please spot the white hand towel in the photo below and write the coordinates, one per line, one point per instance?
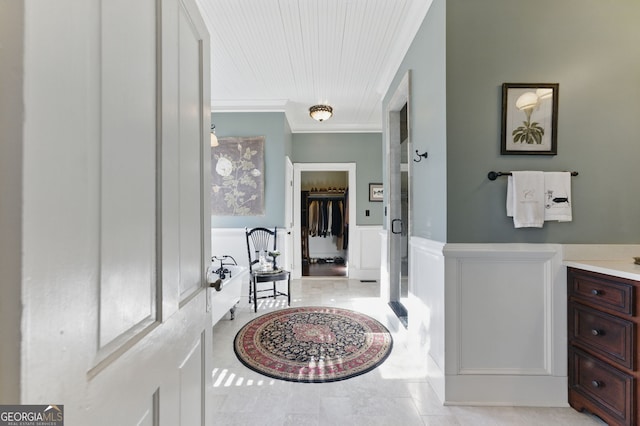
(510, 196)
(557, 196)
(525, 199)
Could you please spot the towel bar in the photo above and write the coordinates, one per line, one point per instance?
(495, 175)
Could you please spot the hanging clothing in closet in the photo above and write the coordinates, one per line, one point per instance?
(345, 227)
(326, 218)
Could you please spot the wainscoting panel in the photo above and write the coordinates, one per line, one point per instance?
(365, 248)
(505, 322)
(233, 242)
(365, 253)
(500, 301)
(426, 307)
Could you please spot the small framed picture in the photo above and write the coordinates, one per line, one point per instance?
(529, 119)
(376, 192)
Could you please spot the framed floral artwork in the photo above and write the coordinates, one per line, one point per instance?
(237, 176)
(529, 119)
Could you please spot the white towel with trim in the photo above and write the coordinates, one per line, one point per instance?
(557, 196)
(525, 199)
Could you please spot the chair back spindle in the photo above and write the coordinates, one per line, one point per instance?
(264, 240)
(260, 239)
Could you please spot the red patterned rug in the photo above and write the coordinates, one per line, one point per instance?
(313, 344)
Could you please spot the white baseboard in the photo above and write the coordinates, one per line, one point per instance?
(435, 376)
(364, 274)
(508, 391)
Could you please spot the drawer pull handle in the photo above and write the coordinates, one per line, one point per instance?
(596, 292)
(596, 384)
(596, 332)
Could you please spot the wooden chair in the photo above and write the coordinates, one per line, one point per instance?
(264, 240)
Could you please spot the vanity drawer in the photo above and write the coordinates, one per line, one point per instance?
(600, 290)
(604, 334)
(606, 387)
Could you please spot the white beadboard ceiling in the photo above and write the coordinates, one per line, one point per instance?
(286, 55)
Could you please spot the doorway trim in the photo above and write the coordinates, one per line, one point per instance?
(298, 168)
(391, 292)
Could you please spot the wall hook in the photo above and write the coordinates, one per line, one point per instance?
(420, 156)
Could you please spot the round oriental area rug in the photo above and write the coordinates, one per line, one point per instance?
(313, 344)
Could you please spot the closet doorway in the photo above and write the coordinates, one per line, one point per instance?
(324, 196)
(324, 227)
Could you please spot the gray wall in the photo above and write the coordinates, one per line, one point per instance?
(589, 47)
(427, 121)
(364, 149)
(274, 126)
(11, 159)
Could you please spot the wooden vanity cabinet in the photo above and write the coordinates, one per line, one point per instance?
(603, 349)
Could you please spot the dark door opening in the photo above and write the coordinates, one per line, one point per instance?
(324, 230)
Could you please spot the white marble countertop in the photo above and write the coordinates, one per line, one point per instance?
(618, 268)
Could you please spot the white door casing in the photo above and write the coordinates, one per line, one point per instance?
(392, 189)
(298, 168)
(289, 213)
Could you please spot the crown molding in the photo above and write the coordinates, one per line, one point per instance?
(248, 105)
(280, 105)
(337, 128)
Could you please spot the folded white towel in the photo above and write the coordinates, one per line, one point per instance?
(557, 196)
(525, 199)
(510, 196)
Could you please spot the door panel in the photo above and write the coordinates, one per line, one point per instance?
(191, 392)
(190, 128)
(127, 182)
(116, 226)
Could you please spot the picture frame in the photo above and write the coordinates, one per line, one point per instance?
(237, 176)
(376, 192)
(529, 119)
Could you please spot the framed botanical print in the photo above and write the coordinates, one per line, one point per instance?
(529, 119)
(376, 192)
(237, 176)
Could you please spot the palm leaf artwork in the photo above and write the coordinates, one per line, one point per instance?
(530, 133)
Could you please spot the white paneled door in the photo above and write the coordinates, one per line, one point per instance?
(116, 232)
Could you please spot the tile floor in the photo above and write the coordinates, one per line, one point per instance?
(395, 393)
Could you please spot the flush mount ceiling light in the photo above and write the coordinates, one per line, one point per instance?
(321, 112)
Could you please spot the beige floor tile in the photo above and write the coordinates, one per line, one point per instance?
(394, 394)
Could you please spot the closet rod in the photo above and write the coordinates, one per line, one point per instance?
(495, 175)
(326, 194)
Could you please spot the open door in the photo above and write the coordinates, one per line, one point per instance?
(113, 294)
(288, 215)
(398, 200)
